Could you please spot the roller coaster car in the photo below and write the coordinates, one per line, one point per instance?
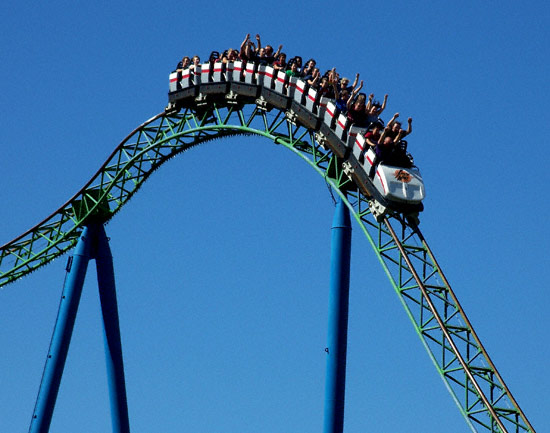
(394, 185)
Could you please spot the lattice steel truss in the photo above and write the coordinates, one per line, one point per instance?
(444, 329)
(447, 334)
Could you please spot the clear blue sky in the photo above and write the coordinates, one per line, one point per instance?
(222, 258)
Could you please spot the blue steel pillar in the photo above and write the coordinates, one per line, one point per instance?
(61, 338)
(92, 244)
(113, 345)
(335, 386)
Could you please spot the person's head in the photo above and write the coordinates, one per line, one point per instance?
(360, 101)
(344, 94)
(298, 61)
(261, 52)
(344, 82)
(396, 126)
(268, 50)
(387, 141)
(196, 60)
(282, 57)
(376, 128)
(293, 66)
(231, 54)
(185, 62)
(311, 63)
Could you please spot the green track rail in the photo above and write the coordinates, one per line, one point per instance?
(444, 329)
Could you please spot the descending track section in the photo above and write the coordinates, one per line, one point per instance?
(208, 110)
(447, 334)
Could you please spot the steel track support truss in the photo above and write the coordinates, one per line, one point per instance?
(442, 325)
(451, 342)
(133, 161)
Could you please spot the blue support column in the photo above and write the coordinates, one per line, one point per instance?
(113, 345)
(61, 338)
(92, 244)
(335, 386)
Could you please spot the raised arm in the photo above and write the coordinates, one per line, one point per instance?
(353, 94)
(259, 42)
(242, 52)
(392, 120)
(333, 81)
(335, 89)
(384, 133)
(402, 133)
(356, 90)
(369, 102)
(410, 127)
(383, 107)
(315, 77)
(356, 80)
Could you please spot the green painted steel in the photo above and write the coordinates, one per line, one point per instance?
(129, 166)
(457, 353)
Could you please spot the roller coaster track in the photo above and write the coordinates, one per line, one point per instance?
(469, 374)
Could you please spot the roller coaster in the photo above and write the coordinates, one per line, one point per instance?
(217, 101)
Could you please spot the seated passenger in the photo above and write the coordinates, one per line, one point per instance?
(183, 64)
(298, 61)
(268, 56)
(308, 69)
(326, 87)
(384, 152)
(232, 55)
(372, 137)
(374, 108)
(293, 70)
(384, 149)
(344, 83)
(394, 128)
(356, 106)
(341, 98)
(391, 148)
(195, 61)
(247, 49)
(314, 79)
(280, 64)
(259, 57)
